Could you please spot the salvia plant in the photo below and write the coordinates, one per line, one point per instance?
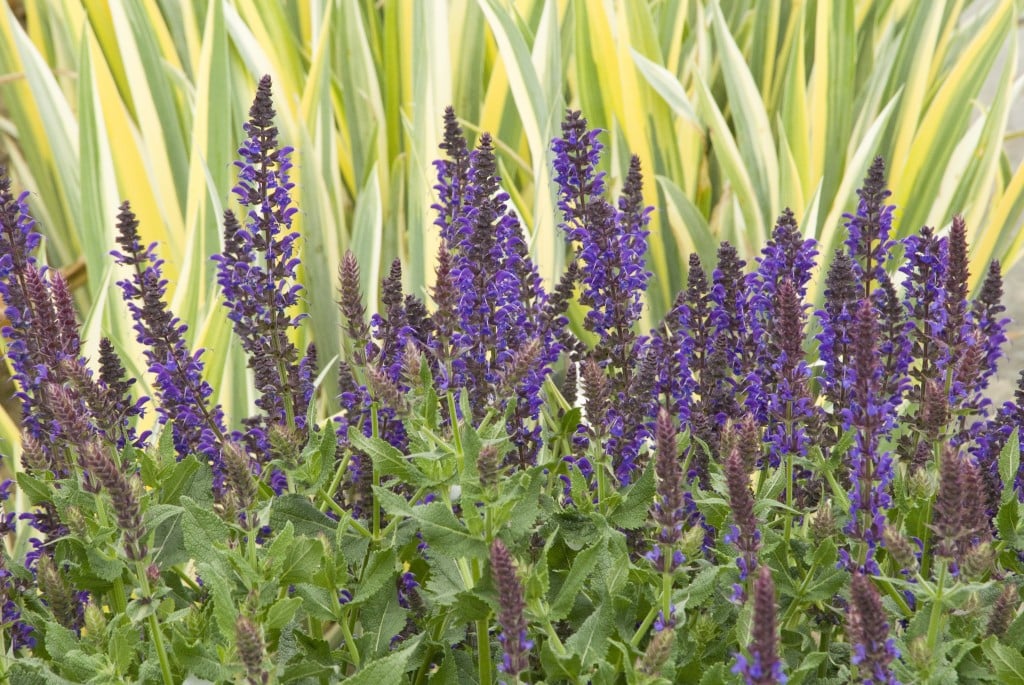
(754, 491)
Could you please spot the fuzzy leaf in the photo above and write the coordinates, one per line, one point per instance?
(1007, 662)
(204, 533)
(590, 642)
(281, 612)
(634, 509)
(307, 519)
(441, 530)
(579, 570)
(388, 669)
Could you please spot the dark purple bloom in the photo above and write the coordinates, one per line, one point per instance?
(988, 321)
(250, 649)
(183, 396)
(668, 509)
(958, 516)
(126, 504)
(763, 667)
(744, 533)
(869, 240)
(872, 415)
(511, 606)
(868, 632)
(257, 268)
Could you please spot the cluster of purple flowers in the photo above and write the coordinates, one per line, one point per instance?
(727, 368)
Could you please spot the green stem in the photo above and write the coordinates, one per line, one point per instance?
(335, 482)
(155, 633)
(482, 635)
(935, 619)
(376, 474)
(456, 435)
(350, 642)
(120, 598)
(644, 625)
(666, 580)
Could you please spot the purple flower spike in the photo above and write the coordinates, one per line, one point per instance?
(257, 269)
(868, 632)
(869, 240)
(510, 613)
(871, 413)
(183, 396)
(763, 667)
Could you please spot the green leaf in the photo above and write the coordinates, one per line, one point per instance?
(281, 612)
(187, 477)
(36, 490)
(307, 519)
(590, 642)
(441, 530)
(318, 602)
(225, 609)
(164, 520)
(389, 460)
(1008, 521)
(304, 559)
(380, 568)
(1007, 662)
(1009, 465)
(635, 508)
(825, 585)
(204, 533)
(383, 618)
(389, 669)
(715, 675)
(103, 565)
(582, 566)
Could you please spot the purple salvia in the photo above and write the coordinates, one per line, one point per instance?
(786, 258)
(729, 312)
(668, 508)
(990, 325)
(957, 278)
(894, 347)
(511, 609)
(763, 667)
(19, 633)
(673, 346)
(789, 406)
(116, 385)
(868, 633)
(744, 533)
(611, 244)
(446, 321)
(353, 313)
(251, 650)
(554, 322)
(836, 321)
(257, 270)
(869, 242)
(871, 414)
(183, 396)
(958, 517)
(452, 179)
(925, 294)
(126, 507)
